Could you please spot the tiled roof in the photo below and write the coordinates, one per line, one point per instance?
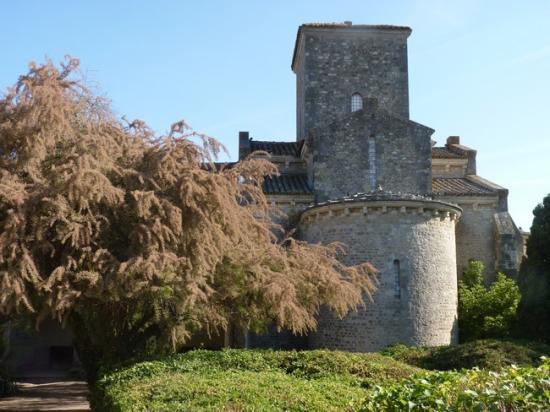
(446, 153)
(286, 184)
(385, 196)
(276, 148)
(293, 149)
(459, 186)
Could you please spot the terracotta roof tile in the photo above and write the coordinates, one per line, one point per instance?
(459, 186)
(276, 148)
(446, 153)
(286, 184)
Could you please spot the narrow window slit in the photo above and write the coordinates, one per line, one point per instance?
(397, 274)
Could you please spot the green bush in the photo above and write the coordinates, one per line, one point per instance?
(534, 279)
(486, 312)
(512, 389)
(247, 380)
(486, 354)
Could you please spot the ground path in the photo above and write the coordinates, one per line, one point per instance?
(48, 394)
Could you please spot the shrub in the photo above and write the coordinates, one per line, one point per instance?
(534, 311)
(486, 354)
(247, 380)
(486, 312)
(511, 389)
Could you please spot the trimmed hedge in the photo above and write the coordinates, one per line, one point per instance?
(255, 380)
(247, 380)
(511, 389)
(485, 354)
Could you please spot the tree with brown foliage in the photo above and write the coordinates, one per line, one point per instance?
(138, 241)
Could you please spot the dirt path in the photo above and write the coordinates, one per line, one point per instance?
(48, 394)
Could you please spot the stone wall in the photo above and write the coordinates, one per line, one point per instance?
(331, 64)
(508, 244)
(412, 244)
(475, 232)
(369, 148)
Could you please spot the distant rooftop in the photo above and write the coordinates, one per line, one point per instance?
(276, 148)
(447, 153)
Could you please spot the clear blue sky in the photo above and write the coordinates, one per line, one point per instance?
(478, 69)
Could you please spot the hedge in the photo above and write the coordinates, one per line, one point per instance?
(247, 380)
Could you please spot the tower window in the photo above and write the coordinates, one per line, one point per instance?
(397, 274)
(356, 102)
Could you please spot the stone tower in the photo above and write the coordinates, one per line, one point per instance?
(369, 167)
(361, 172)
(353, 111)
(334, 61)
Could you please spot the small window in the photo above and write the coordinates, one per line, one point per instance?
(356, 102)
(372, 162)
(397, 274)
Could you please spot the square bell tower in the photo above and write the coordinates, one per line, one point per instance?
(337, 65)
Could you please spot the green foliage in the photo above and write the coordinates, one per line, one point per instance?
(485, 354)
(486, 312)
(511, 389)
(538, 244)
(534, 280)
(247, 380)
(473, 275)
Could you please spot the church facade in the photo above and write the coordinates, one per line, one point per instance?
(363, 173)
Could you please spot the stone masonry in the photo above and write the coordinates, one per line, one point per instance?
(362, 173)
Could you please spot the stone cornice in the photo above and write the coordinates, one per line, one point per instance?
(346, 30)
(367, 206)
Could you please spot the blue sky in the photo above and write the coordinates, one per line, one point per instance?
(478, 69)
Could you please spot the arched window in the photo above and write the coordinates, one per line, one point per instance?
(356, 102)
(397, 277)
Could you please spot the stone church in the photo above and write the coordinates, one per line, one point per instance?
(363, 173)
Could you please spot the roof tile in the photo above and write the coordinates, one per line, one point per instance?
(276, 148)
(459, 186)
(286, 184)
(446, 153)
